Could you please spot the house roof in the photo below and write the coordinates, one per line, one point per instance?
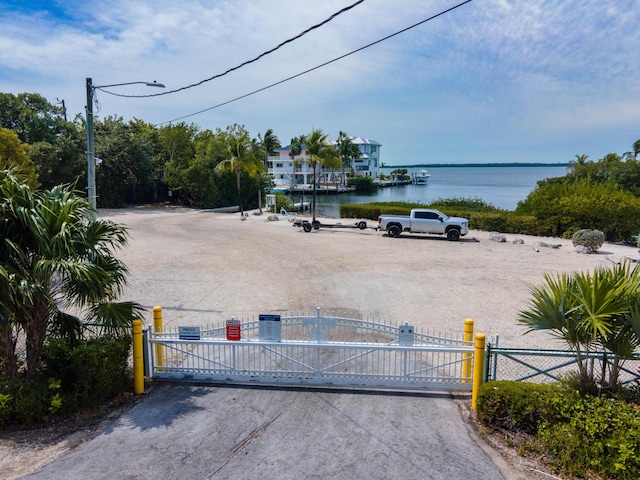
(360, 141)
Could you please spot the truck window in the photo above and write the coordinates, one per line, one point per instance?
(427, 215)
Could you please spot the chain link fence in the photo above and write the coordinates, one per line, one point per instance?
(546, 366)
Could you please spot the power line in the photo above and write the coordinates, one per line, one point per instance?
(263, 54)
(318, 66)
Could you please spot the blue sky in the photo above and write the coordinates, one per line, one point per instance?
(492, 81)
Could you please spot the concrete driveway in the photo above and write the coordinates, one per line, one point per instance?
(202, 432)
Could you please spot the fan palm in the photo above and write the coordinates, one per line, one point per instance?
(241, 158)
(590, 311)
(347, 151)
(56, 257)
(321, 154)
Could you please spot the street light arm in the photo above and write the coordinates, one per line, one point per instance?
(148, 84)
(91, 158)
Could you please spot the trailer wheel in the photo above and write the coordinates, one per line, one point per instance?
(362, 225)
(453, 235)
(394, 231)
(316, 224)
(306, 227)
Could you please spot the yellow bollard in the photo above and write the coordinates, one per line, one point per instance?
(478, 368)
(468, 342)
(138, 362)
(157, 327)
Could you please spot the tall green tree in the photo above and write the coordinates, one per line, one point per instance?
(13, 155)
(269, 143)
(347, 151)
(56, 146)
(190, 170)
(31, 117)
(127, 151)
(177, 150)
(321, 154)
(241, 158)
(56, 257)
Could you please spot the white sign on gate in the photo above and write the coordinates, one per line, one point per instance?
(189, 333)
(269, 328)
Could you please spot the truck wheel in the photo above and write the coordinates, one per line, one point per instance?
(394, 231)
(306, 227)
(453, 235)
(362, 225)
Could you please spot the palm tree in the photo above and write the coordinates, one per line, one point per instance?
(56, 256)
(591, 312)
(578, 167)
(347, 151)
(321, 153)
(268, 144)
(295, 149)
(241, 159)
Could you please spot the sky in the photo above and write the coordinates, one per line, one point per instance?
(492, 81)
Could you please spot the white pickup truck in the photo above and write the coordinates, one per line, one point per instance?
(424, 220)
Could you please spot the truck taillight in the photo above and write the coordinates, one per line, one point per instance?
(379, 220)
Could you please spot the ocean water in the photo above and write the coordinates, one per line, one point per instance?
(501, 186)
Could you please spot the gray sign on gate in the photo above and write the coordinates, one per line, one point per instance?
(269, 328)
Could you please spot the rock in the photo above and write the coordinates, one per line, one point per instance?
(518, 241)
(273, 218)
(497, 237)
(551, 245)
(583, 249)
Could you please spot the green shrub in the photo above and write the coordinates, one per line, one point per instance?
(591, 239)
(515, 406)
(70, 378)
(282, 201)
(564, 208)
(92, 372)
(28, 402)
(463, 204)
(5, 408)
(363, 184)
(600, 435)
(367, 211)
(582, 435)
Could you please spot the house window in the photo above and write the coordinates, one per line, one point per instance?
(278, 165)
(374, 148)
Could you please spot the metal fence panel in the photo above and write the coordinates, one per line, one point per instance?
(318, 350)
(546, 366)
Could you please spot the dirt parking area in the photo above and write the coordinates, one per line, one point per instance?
(204, 267)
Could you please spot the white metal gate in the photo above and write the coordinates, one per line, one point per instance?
(312, 350)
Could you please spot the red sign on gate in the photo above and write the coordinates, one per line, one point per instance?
(234, 331)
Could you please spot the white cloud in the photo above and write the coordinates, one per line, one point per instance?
(488, 69)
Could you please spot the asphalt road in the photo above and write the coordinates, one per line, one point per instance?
(205, 432)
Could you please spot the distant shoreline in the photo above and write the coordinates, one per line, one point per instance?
(438, 165)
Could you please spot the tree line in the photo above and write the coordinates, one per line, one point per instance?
(138, 162)
(603, 194)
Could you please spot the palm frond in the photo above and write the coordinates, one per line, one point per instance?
(113, 318)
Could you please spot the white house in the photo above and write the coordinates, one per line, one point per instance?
(296, 172)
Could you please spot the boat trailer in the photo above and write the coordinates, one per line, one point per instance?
(307, 226)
